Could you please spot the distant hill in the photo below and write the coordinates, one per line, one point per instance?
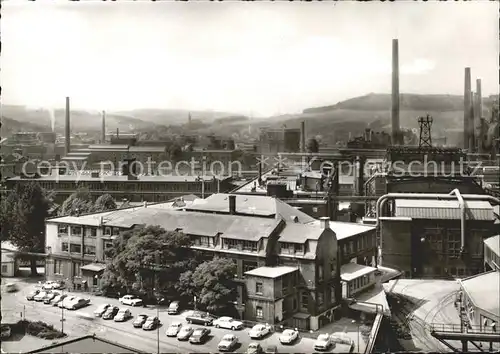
(11, 126)
(410, 102)
(173, 116)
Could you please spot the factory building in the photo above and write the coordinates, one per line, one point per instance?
(436, 238)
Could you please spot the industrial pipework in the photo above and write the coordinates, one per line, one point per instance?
(453, 195)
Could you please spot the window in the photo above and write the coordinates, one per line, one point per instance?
(321, 299)
(204, 241)
(315, 209)
(453, 242)
(230, 243)
(116, 231)
(284, 285)
(64, 247)
(75, 248)
(351, 247)
(299, 248)
(62, 230)
(4, 268)
(332, 295)
(107, 231)
(320, 272)
(259, 312)
(294, 305)
(90, 250)
(76, 230)
(250, 246)
(91, 232)
(57, 267)
(304, 300)
(258, 288)
(248, 266)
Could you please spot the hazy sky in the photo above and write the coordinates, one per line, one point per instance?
(266, 58)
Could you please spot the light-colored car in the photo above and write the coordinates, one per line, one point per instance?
(289, 336)
(174, 329)
(130, 300)
(152, 322)
(10, 287)
(77, 303)
(227, 343)
(228, 322)
(52, 285)
(50, 296)
(67, 300)
(40, 296)
(173, 308)
(98, 312)
(58, 299)
(185, 333)
(31, 295)
(122, 315)
(139, 320)
(323, 342)
(259, 331)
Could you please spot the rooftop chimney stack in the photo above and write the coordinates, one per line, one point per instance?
(467, 108)
(117, 133)
(232, 204)
(324, 222)
(303, 136)
(67, 133)
(395, 93)
(103, 128)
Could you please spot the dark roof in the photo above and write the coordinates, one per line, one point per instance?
(87, 344)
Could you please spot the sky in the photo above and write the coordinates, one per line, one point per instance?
(247, 57)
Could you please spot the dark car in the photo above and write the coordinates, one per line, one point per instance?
(199, 336)
(139, 320)
(201, 318)
(110, 313)
(32, 294)
(272, 349)
(151, 323)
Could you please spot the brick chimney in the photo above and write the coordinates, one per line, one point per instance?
(232, 204)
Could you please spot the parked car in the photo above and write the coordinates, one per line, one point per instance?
(139, 320)
(254, 348)
(173, 308)
(228, 342)
(101, 309)
(123, 315)
(174, 329)
(110, 313)
(151, 323)
(272, 349)
(50, 296)
(323, 342)
(6, 331)
(289, 336)
(259, 331)
(58, 299)
(52, 285)
(11, 287)
(199, 336)
(228, 322)
(39, 297)
(77, 303)
(185, 333)
(31, 295)
(67, 300)
(131, 300)
(202, 318)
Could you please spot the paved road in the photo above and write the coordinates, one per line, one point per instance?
(74, 325)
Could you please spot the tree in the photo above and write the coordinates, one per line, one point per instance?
(312, 146)
(79, 202)
(25, 221)
(149, 256)
(104, 202)
(212, 282)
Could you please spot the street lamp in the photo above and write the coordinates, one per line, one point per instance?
(354, 321)
(158, 325)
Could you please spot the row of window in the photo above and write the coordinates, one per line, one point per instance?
(361, 243)
(291, 248)
(240, 245)
(358, 283)
(89, 231)
(77, 248)
(165, 186)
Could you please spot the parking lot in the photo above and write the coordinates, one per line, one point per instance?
(82, 322)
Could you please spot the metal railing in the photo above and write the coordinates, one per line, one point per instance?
(456, 328)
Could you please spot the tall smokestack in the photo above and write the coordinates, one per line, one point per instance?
(303, 136)
(67, 139)
(467, 108)
(103, 128)
(395, 93)
(472, 114)
(479, 105)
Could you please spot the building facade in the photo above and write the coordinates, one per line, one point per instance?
(492, 253)
(423, 238)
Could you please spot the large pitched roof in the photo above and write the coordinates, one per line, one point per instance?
(484, 291)
(443, 209)
(251, 205)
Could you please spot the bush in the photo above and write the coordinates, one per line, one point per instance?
(50, 334)
(42, 330)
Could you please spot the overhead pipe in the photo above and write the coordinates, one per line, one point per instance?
(451, 196)
(463, 215)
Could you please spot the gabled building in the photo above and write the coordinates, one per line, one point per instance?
(271, 243)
